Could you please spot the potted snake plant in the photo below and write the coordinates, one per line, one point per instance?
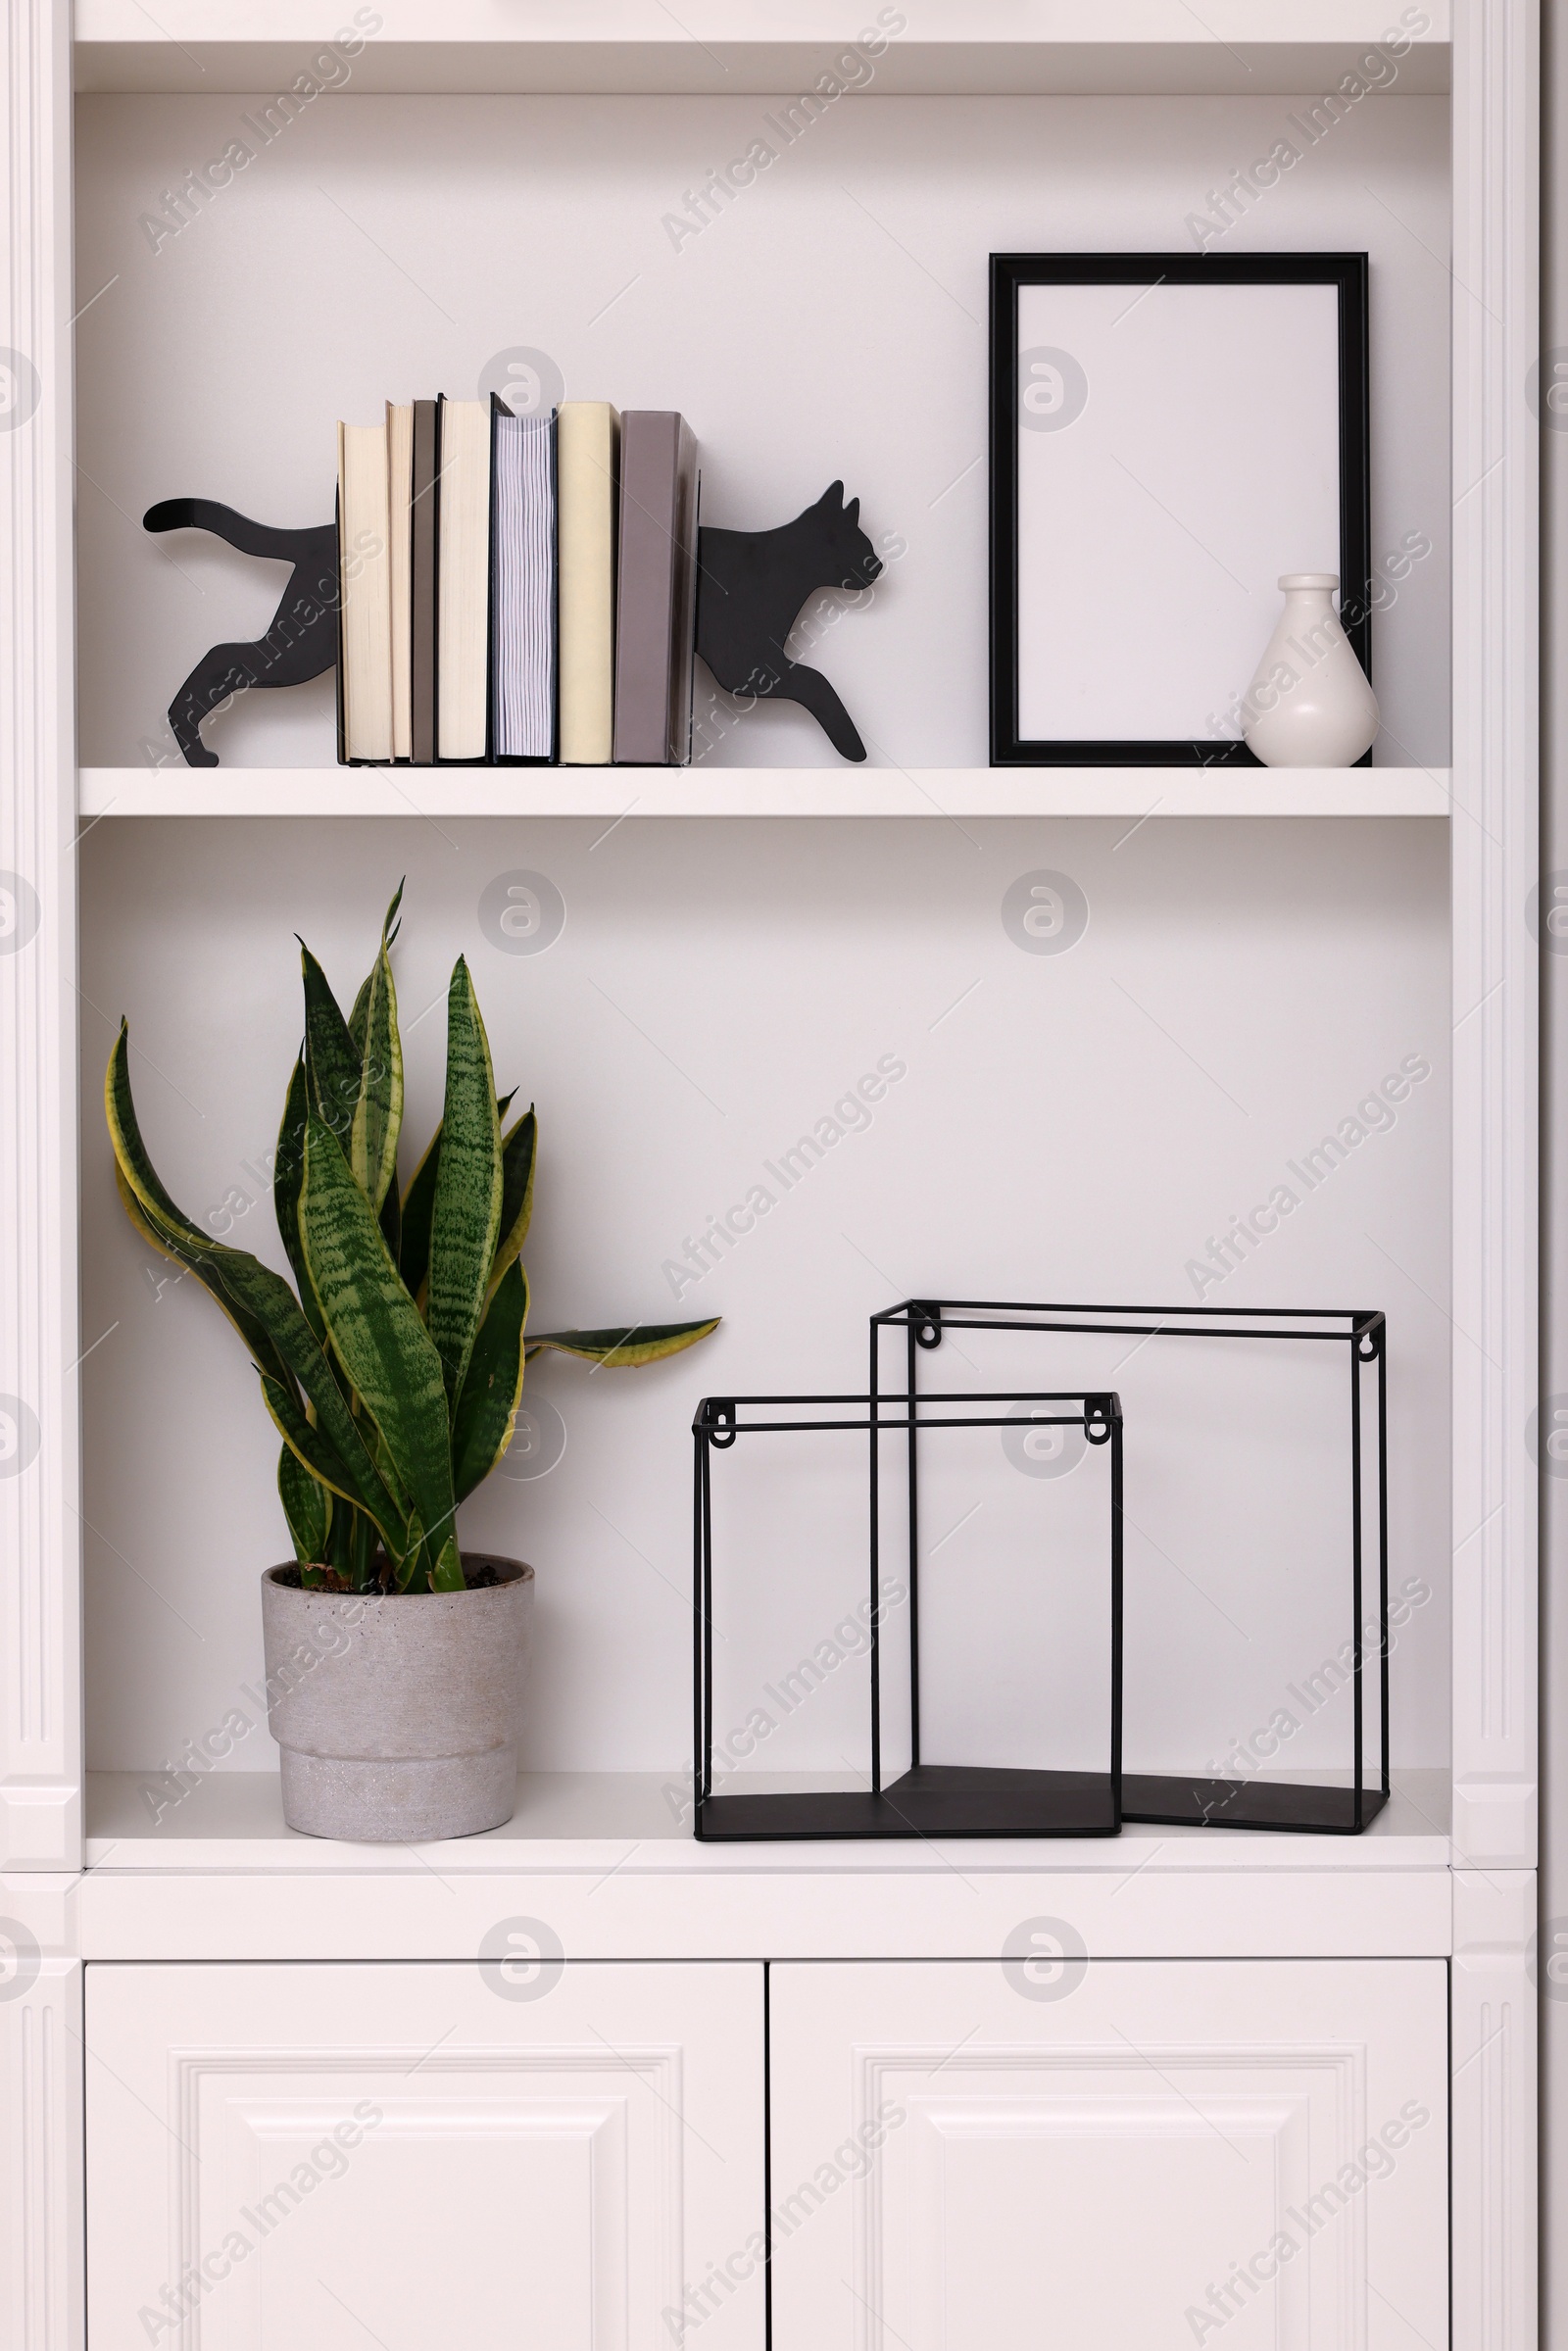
(394, 1663)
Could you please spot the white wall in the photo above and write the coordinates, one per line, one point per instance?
(831, 322)
(1074, 1125)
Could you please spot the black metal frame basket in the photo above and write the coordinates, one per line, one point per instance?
(1176, 1800)
(928, 1800)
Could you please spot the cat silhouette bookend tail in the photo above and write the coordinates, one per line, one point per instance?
(751, 586)
(301, 641)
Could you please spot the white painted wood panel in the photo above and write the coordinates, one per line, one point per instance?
(1499, 1979)
(969, 2156)
(1496, 958)
(709, 790)
(569, 1820)
(790, 1911)
(41, 2262)
(486, 2154)
(40, 1539)
(954, 23)
(1152, 46)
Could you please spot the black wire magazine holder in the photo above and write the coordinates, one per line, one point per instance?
(927, 1799)
(1190, 1800)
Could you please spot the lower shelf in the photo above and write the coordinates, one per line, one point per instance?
(639, 1822)
(1172, 1803)
(932, 1800)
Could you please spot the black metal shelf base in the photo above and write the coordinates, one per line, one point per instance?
(933, 1800)
(1170, 1802)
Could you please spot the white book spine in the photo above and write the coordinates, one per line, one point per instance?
(464, 589)
(364, 564)
(586, 464)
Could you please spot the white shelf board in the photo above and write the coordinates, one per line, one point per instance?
(1122, 47)
(593, 1821)
(611, 793)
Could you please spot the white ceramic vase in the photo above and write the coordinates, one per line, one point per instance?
(1310, 705)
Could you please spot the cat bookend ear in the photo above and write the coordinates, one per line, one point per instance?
(833, 494)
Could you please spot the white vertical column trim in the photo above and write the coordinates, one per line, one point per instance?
(40, 1731)
(41, 2154)
(1494, 2111)
(1496, 855)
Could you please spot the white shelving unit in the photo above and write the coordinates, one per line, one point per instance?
(500, 173)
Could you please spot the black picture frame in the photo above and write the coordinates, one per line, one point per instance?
(1347, 273)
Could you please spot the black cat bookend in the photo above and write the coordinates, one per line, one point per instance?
(301, 641)
(751, 586)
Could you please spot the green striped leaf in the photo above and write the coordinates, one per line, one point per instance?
(333, 1066)
(166, 1238)
(342, 1459)
(316, 1455)
(391, 925)
(392, 1220)
(375, 1329)
(465, 1218)
(481, 1426)
(411, 1249)
(257, 1301)
(644, 1343)
(379, 1109)
(288, 1174)
(307, 1506)
(518, 1160)
(418, 1206)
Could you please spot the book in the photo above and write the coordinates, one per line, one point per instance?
(462, 580)
(424, 501)
(365, 668)
(656, 610)
(588, 490)
(400, 484)
(522, 584)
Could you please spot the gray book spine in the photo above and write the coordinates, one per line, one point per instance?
(655, 584)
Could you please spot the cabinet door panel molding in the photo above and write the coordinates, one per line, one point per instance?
(1129, 2154)
(437, 2150)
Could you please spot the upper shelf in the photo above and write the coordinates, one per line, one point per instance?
(612, 793)
(927, 47)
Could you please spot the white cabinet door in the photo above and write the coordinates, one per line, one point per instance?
(1128, 2155)
(330, 2158)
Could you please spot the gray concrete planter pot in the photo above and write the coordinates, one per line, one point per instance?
(398, 1715)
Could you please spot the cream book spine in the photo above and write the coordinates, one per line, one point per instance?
(400, 484)
(365, 575)
(463, 587)
(587, 469)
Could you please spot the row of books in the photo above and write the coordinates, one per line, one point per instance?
(517, 587)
